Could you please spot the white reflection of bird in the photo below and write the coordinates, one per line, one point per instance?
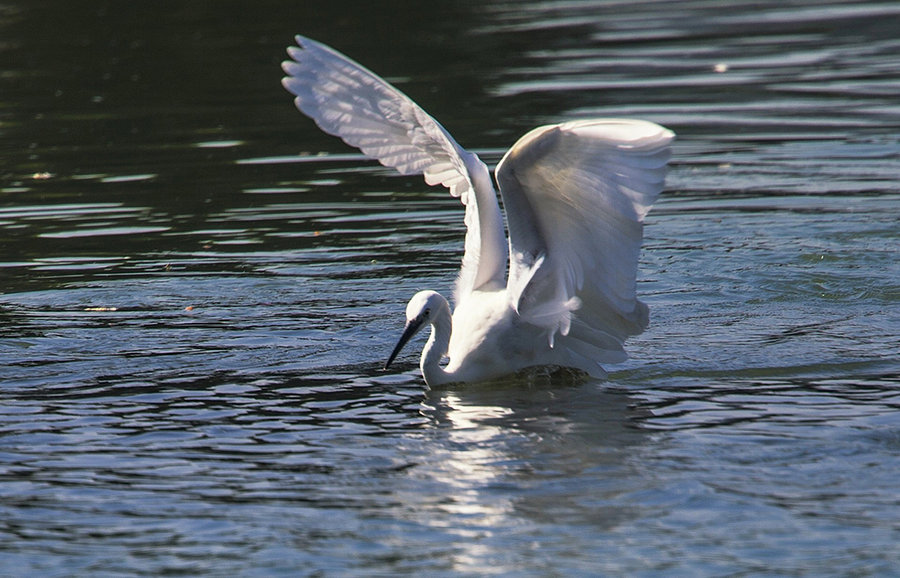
(575, 196)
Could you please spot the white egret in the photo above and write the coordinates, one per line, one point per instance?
(575, 196)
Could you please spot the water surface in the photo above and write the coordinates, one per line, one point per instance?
(198, 290)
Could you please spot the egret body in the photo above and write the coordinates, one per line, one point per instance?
(561, 290)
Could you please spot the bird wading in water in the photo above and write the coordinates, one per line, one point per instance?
(561, 291)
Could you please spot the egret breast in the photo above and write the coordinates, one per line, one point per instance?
(489, 339)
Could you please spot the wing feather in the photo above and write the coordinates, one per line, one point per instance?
(351, 102)
(576, 195)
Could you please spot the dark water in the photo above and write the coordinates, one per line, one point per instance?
(197, 291)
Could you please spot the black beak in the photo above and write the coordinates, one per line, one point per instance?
(412, 327)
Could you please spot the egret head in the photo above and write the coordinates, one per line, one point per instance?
(422, 310)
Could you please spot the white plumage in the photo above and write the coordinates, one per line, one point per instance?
(561, 292)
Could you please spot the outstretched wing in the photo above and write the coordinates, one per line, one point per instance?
(575, 196)
(351, 102)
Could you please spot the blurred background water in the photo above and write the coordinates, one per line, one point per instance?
(198, 289)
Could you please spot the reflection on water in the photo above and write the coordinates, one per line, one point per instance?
(547, 466)
(198, 290)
